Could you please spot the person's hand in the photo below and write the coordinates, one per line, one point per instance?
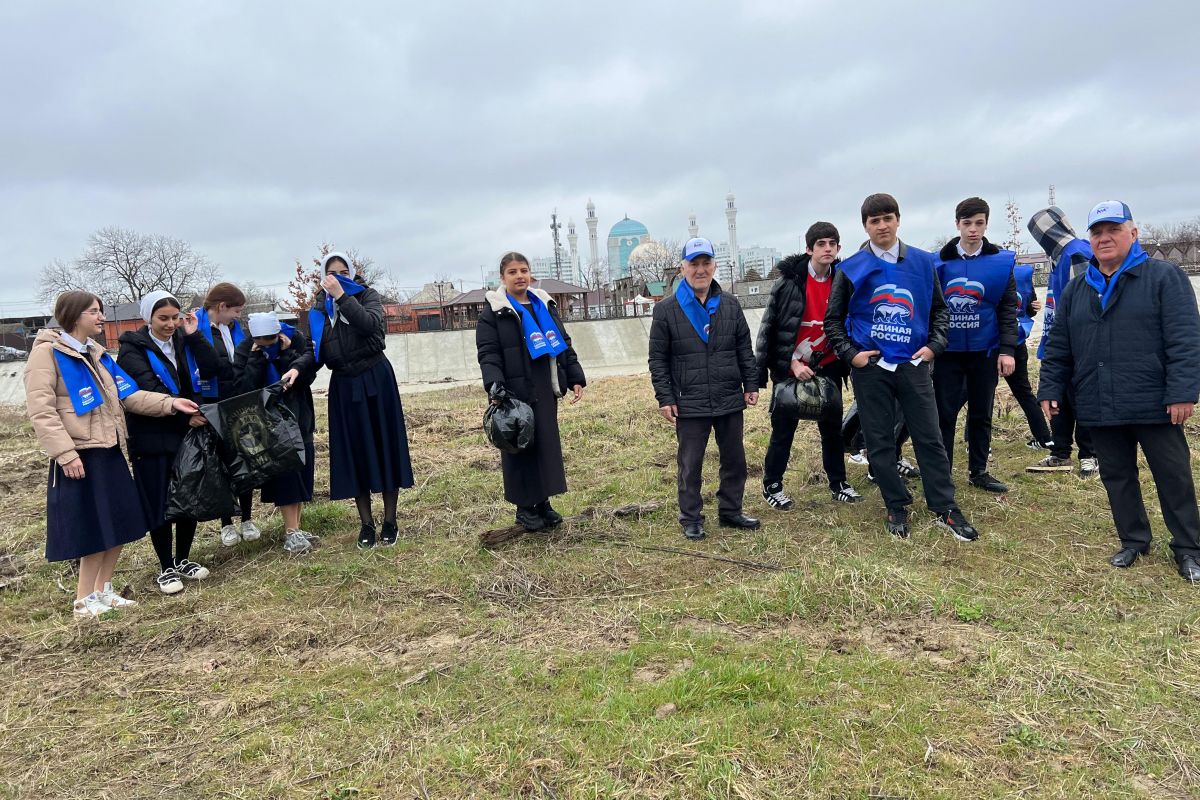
(1035, 306)
(1050, 408)
(1180, 412)
(578, 390)
(925, 354)
(197, 421)
(284, 341)
(751, 398)
(800, 371)
(1005, 365)
(190, 323)
(333, 286)
(184, 406)
(863, 358)
(670, 413)
(74, 469)
(289, 377)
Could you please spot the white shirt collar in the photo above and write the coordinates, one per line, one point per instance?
(819, 278)
(167, 347)
(74, 343)
(964, 254)
(892, 254)
(227, 337)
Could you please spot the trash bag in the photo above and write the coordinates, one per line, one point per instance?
(851, 427)
(508, 422)
(810, 399)
(200, 488)
(260, 437)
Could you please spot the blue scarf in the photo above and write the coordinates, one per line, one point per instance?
(208, 387)
(1095, 278)
(271, 354)
(699, 315)
(316, 316)
(164, 374)
(86, 395)
(542, 336)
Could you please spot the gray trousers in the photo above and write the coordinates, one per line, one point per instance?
(693, 433)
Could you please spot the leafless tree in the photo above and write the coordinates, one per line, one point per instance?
(653, 260)
(595, 275)
(1013, 213)
(1187, 230)
(306, 282)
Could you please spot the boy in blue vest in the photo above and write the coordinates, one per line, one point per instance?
(887, 320)
(977, 283)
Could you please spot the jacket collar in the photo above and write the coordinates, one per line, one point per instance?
(795, 267)
(498, 299)
(900, 257)
(950, 251)
(49, 337)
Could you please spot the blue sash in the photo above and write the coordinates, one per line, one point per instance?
(272, 353)
(316, 316)
(542, 336)
(1023, 274)
(86, 395)
(208, 387)
(1095, 278)
(699, 315)
(164, 374)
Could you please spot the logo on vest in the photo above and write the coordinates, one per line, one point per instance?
(964, 297)
(892, 309)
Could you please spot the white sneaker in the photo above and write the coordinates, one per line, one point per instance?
(313, 539)
(860, 458)
(250, 531)
(90, 607)
(296, 543)
(113, 599)
(170, 582)
(191, 570)
(230, 536)
(1089, 467)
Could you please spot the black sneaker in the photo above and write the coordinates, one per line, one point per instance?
(845, 493)
(775, 497)
(986, 482)
(897, 523)
(694, 531)
(529, 519)
(366, 537)
(955, 522)
(387, 536)
(907, 470)
(546, 511)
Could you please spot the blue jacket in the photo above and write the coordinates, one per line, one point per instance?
(1124, 365)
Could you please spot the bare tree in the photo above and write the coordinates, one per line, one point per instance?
(1187, 230)
(302, 289)
(938, 243)
(652, 260)
(1013, 242)
(595, 275)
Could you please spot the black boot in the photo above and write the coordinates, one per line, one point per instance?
(551, 517)
(529, 519)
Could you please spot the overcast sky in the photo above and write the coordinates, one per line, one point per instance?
(433, 137)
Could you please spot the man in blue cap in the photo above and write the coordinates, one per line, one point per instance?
(1126, 346)
(704, 375)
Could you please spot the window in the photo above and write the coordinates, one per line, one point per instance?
(754, 289)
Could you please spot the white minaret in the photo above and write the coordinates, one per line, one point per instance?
(573, 239)
(693, 230)
(731, 218)
(593, 244)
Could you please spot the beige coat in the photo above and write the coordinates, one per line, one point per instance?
(62, 433)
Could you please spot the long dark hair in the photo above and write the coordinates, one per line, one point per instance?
(510, 257)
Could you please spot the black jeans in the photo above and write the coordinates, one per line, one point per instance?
(783, 433)
(692, 433)
(1066, 432)
(1022, 392)
(1166, 451)
(966, 378)
(878, 391)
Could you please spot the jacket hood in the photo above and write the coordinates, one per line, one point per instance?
(795, 266)
(950, 251)
(498, 299)
(1052, 231)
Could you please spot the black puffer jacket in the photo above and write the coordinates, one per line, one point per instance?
(356, 343)
(781, 319)
(703, 380)
(226, 373)
(504, 357)
(155, 436)
(251, 367)
(1006, 309)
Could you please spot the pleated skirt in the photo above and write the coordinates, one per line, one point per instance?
(368, 443)
(98, 512)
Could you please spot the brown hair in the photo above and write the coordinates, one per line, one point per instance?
(510, 257)
(225, 293)
(69, 307)
(878, 205)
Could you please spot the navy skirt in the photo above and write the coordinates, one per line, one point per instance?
(294, 487)
(368, 445)
(152, 474)
(96, 513)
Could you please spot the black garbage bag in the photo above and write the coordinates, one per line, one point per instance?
(810, 399)
(508, 422)
(200, 488)
(260, 437)
(851, 427)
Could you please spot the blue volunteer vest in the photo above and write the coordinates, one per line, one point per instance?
(889, 309)
(1060, 276)
(1023, 274)
(973, 288)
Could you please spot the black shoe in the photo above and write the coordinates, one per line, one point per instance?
(955, 522)
(529, 519)
(551, 517)
(986, 482)
(776, 499)
(1189, 568)
(1127, 555)
(694, 531)
(739, 520)
(387, 537)
(845, 493)
(897, 523)
(366, 537)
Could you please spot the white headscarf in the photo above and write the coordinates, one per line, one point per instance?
(264, 324)
(147, 303)
(325, 261)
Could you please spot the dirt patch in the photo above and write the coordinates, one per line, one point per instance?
(937, 641)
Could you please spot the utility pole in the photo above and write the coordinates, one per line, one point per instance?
(555, 226)
(1052, 194)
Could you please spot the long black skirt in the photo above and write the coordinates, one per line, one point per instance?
(293, 487)
(368, 444)
(98, 512)
(537, 474)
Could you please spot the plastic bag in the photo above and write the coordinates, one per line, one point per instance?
(200, 488)
(260, 437)
(811, 399)
(508, 422)
(851, 428)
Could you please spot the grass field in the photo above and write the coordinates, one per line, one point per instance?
(584, 664)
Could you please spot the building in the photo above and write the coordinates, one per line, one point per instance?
(427, 304)
(463, 310)
(753, 294)
(731, 220)
(593, 245)
(545, 267)
(622, 239)
(1185, 254)
(1041, 266)
(760, 259)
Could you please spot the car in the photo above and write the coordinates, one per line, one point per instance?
(11, 353)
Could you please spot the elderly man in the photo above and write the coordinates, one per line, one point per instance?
(1126, 345)
(704, 375)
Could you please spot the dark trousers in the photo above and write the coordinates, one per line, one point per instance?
(1022, 392)
(692, 433)
(1066, 432)
(878, 391)
(970, 379)
(783, 433)
(1166, 452)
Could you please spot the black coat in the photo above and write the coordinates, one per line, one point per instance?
(251, 368)
(1126, 364)
(702, 380)
(358, 340)
(226, 374)
(504, 357)
(156, 436)
(1006, 309)
(781, 319)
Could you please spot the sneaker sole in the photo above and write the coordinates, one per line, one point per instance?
(171, 590)
(1005, 490)
(1049, 469)
(953, 532)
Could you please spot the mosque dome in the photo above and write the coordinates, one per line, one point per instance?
(628, 227)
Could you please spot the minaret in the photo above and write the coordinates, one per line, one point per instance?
(731, 218)
(573, 239)
(693, 230)
(593, 245)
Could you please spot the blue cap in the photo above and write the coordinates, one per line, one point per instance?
(1109, 211)
(698, 247)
